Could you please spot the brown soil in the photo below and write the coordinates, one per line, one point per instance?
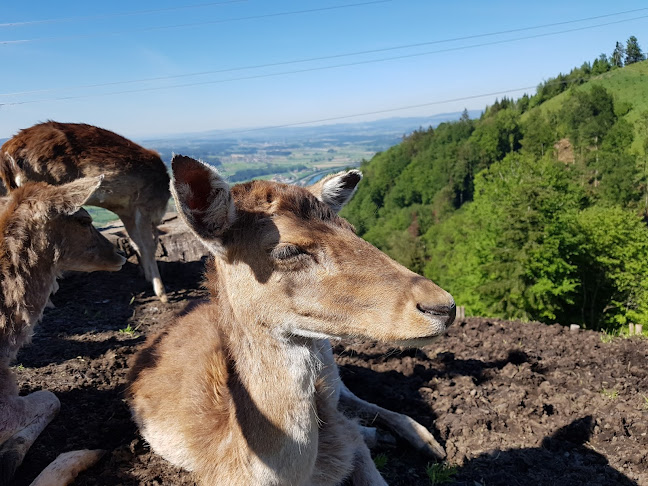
(513, 403)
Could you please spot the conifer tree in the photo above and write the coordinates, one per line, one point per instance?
(633, 51)
(617, 55)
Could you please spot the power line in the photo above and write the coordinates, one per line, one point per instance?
(196, 24)
(312, 69)
(117, 14)
(333, 56)
(401, 108)
(387, 110)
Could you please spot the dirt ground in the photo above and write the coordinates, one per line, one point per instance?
(513, 403)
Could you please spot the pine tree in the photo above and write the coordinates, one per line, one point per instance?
(617, 55)
(633, 51)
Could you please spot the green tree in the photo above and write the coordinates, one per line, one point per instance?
(613, 267)
(633, 51)
(539, 136)
(643, 129)
(617, 55)
(601, 65)
(588, 116)
(509, 252)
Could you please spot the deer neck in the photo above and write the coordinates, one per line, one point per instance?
(274, 392)
(28, 278)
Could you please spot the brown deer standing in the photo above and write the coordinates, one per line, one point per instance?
(244, 390)
(43, 232)
(136, 184)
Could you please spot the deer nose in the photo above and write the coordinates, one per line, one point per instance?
(443, 311)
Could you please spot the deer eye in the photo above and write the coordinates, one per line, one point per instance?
(286, 252)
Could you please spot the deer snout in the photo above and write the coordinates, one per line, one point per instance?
(444, 312)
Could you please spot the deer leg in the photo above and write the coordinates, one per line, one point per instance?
(370, 436)
(400, 425)
(22, 420)
(342, 451)
(365, 472)
(67, 466)
(140, 230)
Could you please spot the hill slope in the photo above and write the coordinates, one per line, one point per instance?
(530, 212)
(629, 86)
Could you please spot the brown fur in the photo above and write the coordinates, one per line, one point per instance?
(244, 390)
(43, 232)
(136, 182)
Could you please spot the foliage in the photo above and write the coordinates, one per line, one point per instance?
(381, 461)
(618, 55)
(440, 473)
(530, 211)
(611, 394)
(633, 51)
(510, 244)
(613, 267)
(588, 116)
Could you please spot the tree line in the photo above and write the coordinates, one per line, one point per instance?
(523, 213)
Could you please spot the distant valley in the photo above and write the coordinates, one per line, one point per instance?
(293, 154)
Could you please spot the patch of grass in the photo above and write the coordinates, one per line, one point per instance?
(128, 330)
(611, 394)
(21, 367)
(606, 337)
(440, 473)
(645, 404)
(381, 461)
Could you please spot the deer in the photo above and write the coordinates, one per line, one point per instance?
(44, 231)
(135, 187)
(243, 389)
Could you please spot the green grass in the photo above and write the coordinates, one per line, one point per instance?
(381, 461)
(627, 85)
(611, 394)
(440, 473)
(607, 337)
(128, 330)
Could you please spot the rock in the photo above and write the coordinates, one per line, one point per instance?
(176, 242)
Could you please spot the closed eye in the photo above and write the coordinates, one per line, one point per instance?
(286, 252)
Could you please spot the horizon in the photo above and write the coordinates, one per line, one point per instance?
(432, 76)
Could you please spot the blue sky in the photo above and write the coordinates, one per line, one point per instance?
(91, 43)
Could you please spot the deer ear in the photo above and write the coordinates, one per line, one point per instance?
(203, 198)
(337, 189)
(68, 198)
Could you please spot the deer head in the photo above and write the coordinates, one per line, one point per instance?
(284, 259)
(51, 217)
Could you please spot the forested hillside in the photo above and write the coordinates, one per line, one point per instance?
(534, 211)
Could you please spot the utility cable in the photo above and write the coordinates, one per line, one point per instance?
(319, 68)
(117, 14)
(195, 24)
(320, 58)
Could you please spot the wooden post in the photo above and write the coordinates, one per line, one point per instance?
(639, 329)
(461, 312)
(631, 329)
